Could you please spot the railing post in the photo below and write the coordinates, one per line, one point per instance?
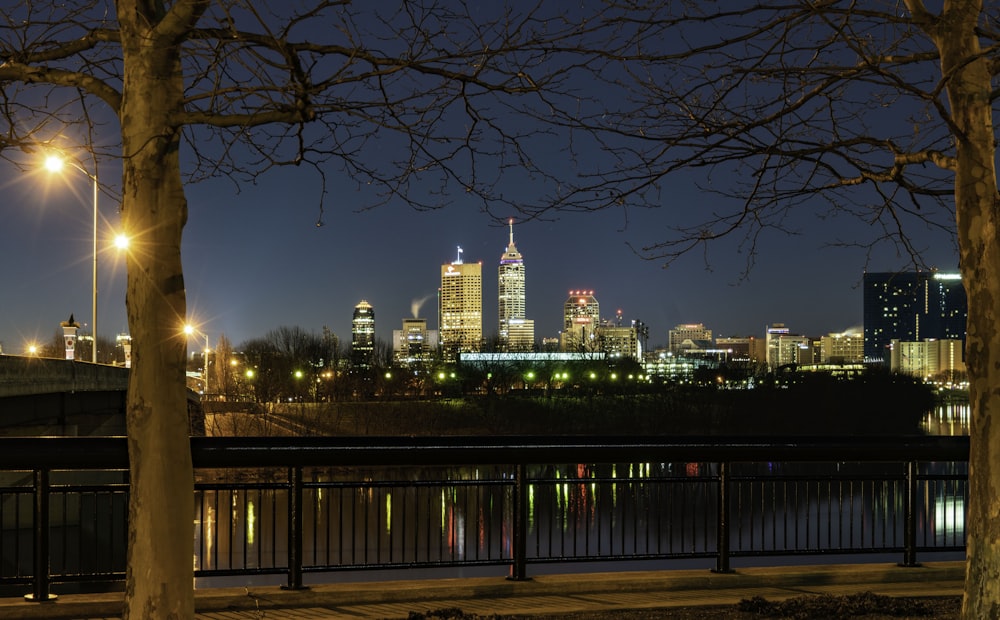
(294, 530)
(40, 581)
(910, 516)
(722, 556)
(519, 535)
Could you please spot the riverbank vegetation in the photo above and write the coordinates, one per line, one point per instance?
(811, 404)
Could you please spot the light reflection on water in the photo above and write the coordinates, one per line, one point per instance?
(586, 509)
(948, 419)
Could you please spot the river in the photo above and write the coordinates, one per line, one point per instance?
(582, 512)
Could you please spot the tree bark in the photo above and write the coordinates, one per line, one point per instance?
(159, 581)
(976, 205)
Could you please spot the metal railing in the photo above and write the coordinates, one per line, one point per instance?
(290, 506)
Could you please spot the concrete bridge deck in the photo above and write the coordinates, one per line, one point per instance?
(44, 396)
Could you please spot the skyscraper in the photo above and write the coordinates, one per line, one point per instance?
(363, 336)
(516, 332)
(912, 307)
(460, 307)
(581, 317)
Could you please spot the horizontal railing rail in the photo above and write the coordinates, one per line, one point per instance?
(296, 505)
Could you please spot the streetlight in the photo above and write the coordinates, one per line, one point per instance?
(55, 164)
(190, 331)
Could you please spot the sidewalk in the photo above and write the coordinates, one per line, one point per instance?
(544, 594)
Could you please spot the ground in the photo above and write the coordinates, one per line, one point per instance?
(864, 606)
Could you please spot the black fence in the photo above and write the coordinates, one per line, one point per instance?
(291, 506)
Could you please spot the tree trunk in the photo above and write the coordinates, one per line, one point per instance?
(159, 582)
(976, 206)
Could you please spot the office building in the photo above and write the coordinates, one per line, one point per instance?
(746, 348)
(689, 336)
(581, 317)
(516, 332)
(843, 348)
(911, 307)
(784, 348)
(618, 341)
(363, 336)
(520, 335)
(414, 343)
(460, 307)
(931, 360)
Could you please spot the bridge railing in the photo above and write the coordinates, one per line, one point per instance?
(292, 506)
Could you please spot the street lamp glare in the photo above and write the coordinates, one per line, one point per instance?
(121, 242)
(55, 164)
(191, 330)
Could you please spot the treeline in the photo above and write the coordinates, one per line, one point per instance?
(874, 403)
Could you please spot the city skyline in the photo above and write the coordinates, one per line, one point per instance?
(256, 261)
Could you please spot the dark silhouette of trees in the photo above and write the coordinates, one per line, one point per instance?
(881, 112)
(292, 364)
(882, 109)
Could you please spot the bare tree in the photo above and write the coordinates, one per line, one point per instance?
(806, 99)
(880, 111)
(238, 88)
(263, 361)
(224, 377)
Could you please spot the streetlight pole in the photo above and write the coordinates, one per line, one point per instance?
(190, 330)
(93, 308)
(55, 163)
(205, 361)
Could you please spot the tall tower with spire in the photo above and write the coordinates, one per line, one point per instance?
(516, 332)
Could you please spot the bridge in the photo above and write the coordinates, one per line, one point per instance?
(44, 396)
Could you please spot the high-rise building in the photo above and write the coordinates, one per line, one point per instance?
(689, 336)
(516, 332)
(620, 340)
(460, 307)
(414, 343)
(363, 336)
(931, 360)
(842, 348)
(911, 307)
(784, 348)
(744, 348)
(581, 317)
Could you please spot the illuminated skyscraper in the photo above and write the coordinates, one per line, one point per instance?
(460, 307)
(912, 307)
(516, 332)
(363, 336)
(581, 317)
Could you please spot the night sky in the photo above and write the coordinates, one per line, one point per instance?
(255, 260)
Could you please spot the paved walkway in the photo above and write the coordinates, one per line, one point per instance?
(542, 595)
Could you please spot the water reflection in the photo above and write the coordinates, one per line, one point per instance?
(382, 518)
(948, 419)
